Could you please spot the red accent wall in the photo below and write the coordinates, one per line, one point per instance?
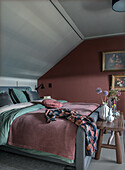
(76, 76)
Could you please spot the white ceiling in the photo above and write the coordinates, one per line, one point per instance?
(95, 18)
(36, 34)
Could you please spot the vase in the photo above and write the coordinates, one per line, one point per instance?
(110, 117)
(104, 110)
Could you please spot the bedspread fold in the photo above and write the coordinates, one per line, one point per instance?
(7, 117)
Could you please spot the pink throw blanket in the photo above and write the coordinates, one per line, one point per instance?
(31, 131)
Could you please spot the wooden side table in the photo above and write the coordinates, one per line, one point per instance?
(117, 126)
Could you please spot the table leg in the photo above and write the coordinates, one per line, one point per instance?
(118, 148)
(111, 138)
(97, 155)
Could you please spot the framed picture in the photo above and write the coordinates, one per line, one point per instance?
(113, 61)
(118, 82)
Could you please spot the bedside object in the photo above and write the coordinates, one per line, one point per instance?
(117, 126)
(47, 97)
(110, 117)
(104, 110)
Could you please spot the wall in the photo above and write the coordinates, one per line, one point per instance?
(76, 77)
(11, 81)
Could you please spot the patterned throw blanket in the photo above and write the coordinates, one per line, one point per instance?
(83, 121)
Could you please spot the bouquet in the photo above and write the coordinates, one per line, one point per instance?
(109, 97)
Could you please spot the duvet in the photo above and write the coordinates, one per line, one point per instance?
(25, 126)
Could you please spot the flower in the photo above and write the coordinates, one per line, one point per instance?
(110, 96)
(105, 93)
(98, 90)
(114, 93)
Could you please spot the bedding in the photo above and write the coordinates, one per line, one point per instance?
(32, 95)
(86, 123)
(16, 106)
(81, 107)
(62, 101)
(38, 135)
(12, 96)
(18, 95)
(7, 117)
(5, 99)
(28, 129)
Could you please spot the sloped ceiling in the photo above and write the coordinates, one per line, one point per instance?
(95, 18)
(36, 34)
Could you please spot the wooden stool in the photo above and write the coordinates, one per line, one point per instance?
(116, 127)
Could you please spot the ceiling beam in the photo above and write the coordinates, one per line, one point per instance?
(63, 13)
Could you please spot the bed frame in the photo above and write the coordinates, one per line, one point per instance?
(81, 160)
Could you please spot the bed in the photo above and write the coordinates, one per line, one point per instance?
(74, 152)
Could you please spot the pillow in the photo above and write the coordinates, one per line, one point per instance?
(5, 99)
(12, 96)
(2, 91)
(62, 101)
(32, 95)
(18, 96)
(49, 103)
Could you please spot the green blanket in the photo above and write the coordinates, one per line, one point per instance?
(7, 117)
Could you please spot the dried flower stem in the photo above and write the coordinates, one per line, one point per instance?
(101, 98)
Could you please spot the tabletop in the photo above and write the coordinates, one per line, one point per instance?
(116, 125)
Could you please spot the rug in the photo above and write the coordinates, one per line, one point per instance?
(11, 161)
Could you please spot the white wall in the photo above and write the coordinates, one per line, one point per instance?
(11, 81)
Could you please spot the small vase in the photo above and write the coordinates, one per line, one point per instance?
(110, 118)
(104, 111)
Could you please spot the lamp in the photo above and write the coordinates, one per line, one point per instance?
(118, 5)
(41, 85)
